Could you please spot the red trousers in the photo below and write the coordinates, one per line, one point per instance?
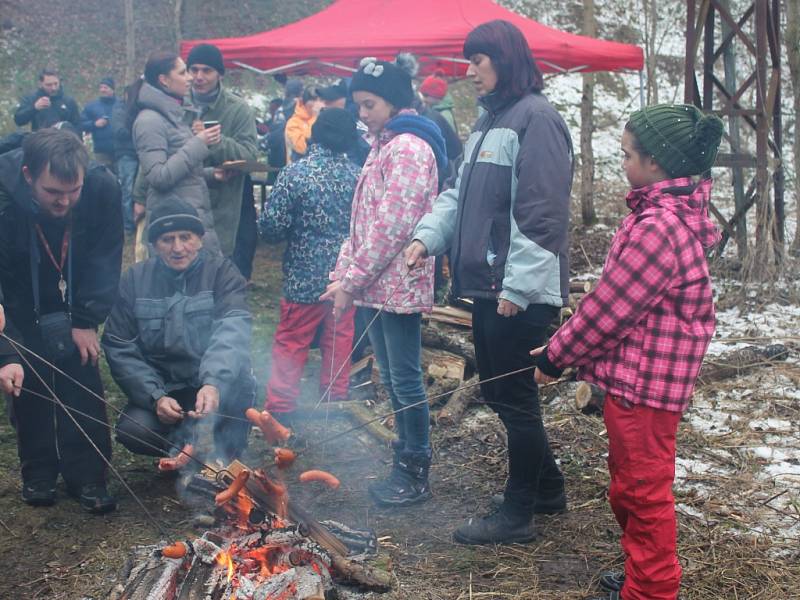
(641, 461)
(296, 329)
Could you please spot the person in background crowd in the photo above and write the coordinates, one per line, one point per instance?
(178, 341)
(125, 156)
(434, 94)
(396, 188)
(170, 156)
(334, 96)
(506, 225)
(96, 119)
(60, 258)
(309, 208)
(47, 105)
(298, 127)
(641, 334)
(237, 142)
(292, 90)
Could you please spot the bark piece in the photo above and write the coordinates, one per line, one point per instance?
(454, 409)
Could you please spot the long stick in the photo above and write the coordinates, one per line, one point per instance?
(18, 346)
(80, 428)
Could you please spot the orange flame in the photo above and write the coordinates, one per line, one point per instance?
(224, 559)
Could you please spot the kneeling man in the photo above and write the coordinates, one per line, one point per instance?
(178, 341)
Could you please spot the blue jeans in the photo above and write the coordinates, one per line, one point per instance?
(396, 342)
(126, 172)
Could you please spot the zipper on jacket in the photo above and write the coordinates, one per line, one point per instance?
(474, 158)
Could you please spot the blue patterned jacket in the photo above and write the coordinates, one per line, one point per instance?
(309, 208)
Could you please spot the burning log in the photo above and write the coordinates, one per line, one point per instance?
(739, 362)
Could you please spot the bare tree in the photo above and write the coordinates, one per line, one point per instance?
(178, 23)
(793, 54)
(588, 213)
(130, 43)
(650, 31)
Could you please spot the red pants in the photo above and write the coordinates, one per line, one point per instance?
(296, 329)
(641, 461)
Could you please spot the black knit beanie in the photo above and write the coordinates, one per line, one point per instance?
(335, 129)
(680, 137)
(206, 54)
(109, 81)
(386, 80)
(173, 214)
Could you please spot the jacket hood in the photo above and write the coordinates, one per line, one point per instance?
(154, 99)
(13, 184)
(300, 111)
(445, 103)
(683, 198)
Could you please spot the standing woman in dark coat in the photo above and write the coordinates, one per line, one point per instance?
(506, 225)
(170, 155)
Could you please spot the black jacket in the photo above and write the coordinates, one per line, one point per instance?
(171, 330)
(97, 240)
(122, 138)
(62, 108)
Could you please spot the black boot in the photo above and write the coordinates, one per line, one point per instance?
(505, 525)
(612, 581)
(407, 483)
(94, 498)
(40, 492)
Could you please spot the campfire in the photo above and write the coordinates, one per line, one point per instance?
(263, 546)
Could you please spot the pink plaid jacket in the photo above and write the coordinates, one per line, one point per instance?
(643, 332)
(397, 187)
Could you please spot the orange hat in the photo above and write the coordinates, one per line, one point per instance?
(434, 85)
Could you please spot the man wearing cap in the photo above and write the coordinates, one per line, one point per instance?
(434, 94)
(96, 119)
(309, 209)
(178, 341)
(60, 257)
(48, 104)
(212, 102)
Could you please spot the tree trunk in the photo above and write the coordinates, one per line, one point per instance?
(587, 126)
(650, 11)
(793, 58)
(178, 23)
(130, 43)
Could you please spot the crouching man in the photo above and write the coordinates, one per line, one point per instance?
(178, 341)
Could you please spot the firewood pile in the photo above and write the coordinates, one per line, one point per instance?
(263, 548)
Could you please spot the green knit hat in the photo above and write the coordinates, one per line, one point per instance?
(680, 137)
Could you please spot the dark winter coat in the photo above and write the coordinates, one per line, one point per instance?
(97, 239)
(506, 222)
(123, 139)
(102, 137)
(62, 108)
(172, 330)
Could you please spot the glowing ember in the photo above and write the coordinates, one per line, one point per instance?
(225, 560)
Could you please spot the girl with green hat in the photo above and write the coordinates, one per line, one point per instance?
(642, 333)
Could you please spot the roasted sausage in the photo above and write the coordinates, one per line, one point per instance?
(273, 430)
(176, 550)
(233, 489)
(323, 476)
(284, 458)
(177, 462)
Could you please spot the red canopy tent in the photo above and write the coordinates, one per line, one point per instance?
(335, 39)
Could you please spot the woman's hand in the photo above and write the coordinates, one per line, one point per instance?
(506, 308)
(342, 300)
(139, 210)
(415, 255)
(210, 136)
(223, 175)
(538, 376)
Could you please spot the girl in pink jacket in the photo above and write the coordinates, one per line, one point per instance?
(397, 186)
(641, 334)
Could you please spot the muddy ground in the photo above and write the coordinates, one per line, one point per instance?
(62, 553)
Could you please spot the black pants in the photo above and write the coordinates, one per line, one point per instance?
(502, 344)
(140, 431)
(247, 234)
(48, 441)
